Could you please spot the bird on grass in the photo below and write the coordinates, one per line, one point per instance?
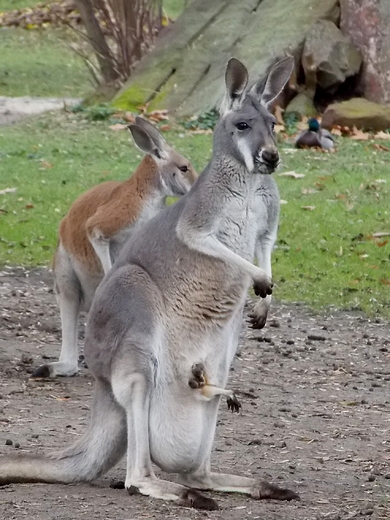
(315, 136)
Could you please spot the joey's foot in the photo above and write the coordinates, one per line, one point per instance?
(257, 321)
(263, 288)
(269, 491)
(198, 379)
(192, 498)
(233, 404)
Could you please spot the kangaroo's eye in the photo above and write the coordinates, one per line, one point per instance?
(242, 126)
(183, 169)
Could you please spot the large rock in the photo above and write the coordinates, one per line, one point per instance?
(300, 106)
(367, 23)
(185, 71)
(358, 112)
(329, 55)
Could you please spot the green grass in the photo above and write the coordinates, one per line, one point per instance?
(11, 5)
(39, 63)
(325, 256)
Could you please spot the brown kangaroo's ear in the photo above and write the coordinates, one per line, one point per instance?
(144, 142)
(150, 129)
(277, 78)
(236, 80)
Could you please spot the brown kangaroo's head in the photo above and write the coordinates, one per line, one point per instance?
(176, 173)
(245, 130)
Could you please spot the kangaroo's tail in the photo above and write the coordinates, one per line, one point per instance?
(100, 448)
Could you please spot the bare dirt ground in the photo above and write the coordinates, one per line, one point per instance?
(315, 391)
(13, 109)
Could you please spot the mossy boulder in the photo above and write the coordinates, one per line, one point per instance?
(358, 112)
(301, 106)
(184, 73)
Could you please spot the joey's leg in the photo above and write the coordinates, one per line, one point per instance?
(101, 247)
(198, 380)
(235, 484)
(132, 389)
(258, 316)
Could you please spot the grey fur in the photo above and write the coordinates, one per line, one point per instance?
(174, 300)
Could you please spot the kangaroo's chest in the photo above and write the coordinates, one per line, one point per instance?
(238, 224)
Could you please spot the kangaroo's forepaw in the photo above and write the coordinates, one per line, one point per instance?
(269, 491)
(233, 404)
(198, 379)
(263, 288)
(192, 498)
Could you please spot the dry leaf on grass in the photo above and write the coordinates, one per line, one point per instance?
(359, 135)
(8, 190)
(200, 131)
(381, 234)
(279, 129)
(117, 127)
(292, 174)
(308, 208)
(278, 113)
(380, 147)
(382, 135)
(308, 191)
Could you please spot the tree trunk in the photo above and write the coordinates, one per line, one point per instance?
(98, 41)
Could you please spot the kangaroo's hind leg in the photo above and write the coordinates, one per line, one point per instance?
(68, 292)
(132, 384)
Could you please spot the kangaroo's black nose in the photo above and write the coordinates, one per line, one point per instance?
(270, 156)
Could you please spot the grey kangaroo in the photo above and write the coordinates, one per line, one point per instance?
(164, 325)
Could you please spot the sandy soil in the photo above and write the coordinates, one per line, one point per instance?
(315, 391)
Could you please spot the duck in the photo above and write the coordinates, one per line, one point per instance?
(315, 136)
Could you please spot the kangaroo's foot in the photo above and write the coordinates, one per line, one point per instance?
(259, 490)
(58, 368)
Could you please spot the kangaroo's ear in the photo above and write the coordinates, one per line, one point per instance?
(152, 131)
(236, 80)
(277, 77)
(145, 142)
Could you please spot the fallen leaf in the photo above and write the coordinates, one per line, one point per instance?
(117, 127)
(199, 131)
(309, 208)
(308, 191)
(359, 135)
(165, 128)
(129, 117)
(381, 234)
(8, 190)
(46, 164)
(384, 281)
(29, 206)
(380, 147)
(282, 201)
(292, 174)
(382, 244)
(278, 113)
(382, 135)
(279, 128)
(336, 131)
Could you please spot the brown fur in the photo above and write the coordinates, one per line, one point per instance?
(107, 207)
